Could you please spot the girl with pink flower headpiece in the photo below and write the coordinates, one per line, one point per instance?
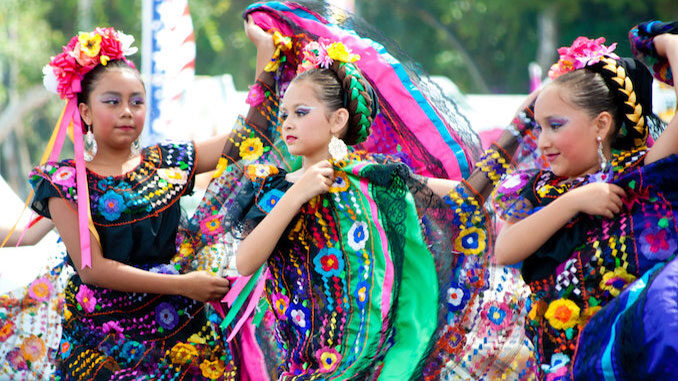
(594, 226)
(116, 207)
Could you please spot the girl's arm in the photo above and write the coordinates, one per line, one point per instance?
(255, 249)
(32, 236)
(519, 240)
(115, 275)
(667, 143)
(209, 151)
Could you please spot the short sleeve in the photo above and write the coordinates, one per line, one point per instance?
(509, 199)
(52, 180)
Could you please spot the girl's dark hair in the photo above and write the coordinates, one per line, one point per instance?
(343, 86)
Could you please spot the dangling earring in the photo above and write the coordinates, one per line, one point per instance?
(338, 149)
(90, 145)
(601, 156)
(135, 147)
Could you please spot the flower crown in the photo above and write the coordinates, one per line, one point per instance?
(583, 52)
(322, 53)
(83, 53)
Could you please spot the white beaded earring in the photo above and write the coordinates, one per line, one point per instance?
(135, 147)
(338, 149)
(601, 156)
(90, 145)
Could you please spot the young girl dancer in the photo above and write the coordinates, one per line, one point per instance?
(602, 214)
(129, 311)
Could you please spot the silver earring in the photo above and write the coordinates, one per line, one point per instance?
(90, 145)
(601, 156)
(338, 149)
(135, 147)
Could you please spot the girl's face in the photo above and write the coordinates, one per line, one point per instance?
(116, 109)
(568, 134)
(307, 125)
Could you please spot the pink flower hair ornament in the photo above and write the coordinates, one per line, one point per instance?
(82, 54)
(322, 54)
(583, 52)
(63, 76)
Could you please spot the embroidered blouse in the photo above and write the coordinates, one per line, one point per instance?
(137, 213)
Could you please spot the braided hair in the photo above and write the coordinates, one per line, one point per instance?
(620, 87)
(343, 85)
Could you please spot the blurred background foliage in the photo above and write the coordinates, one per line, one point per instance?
(484, 46)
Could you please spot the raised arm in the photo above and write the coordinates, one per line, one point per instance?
(118, 276)
(667, 144)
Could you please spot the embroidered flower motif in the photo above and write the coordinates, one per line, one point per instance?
(361, 293)
(65, 348)
(186, 250)
(86, 298)
(6, 331)
(329, 262)
(255, 96)
(260, 171)
(67, 314)
(16, 360)
(280, 304)
(457, 296)
(615, 281)
(182, 353)
(656, 244)
(583, 52)
(132, 351)
(251, 149)
(211, 225)
(64, 176)
(40, 289)
(558, 368)
(454, 341)
(166, 315)
(358, 235)
(328, 359)
(562, 314)
(499, 314)
(33, 348)
(470, 241)
(341, 183)
(111, 205)
(212, 369)
(173, 175)
(269, 200)
(113, 327)
(298, 314)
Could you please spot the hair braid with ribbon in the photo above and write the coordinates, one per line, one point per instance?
(633, 129)
(358, 100)
(621, 86)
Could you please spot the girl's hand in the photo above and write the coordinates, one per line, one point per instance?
(597, 199)
(316, 180)
(203, 286)
(667, 46)
(260, 38)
